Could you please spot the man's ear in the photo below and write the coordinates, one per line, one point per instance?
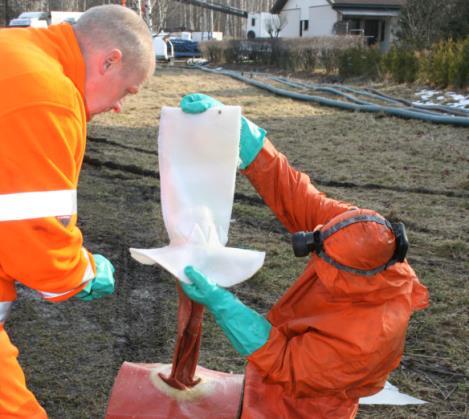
(110, 60)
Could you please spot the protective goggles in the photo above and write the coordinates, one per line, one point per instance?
(313, 241)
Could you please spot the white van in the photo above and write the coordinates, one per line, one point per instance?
(69, 17)
(34, 19)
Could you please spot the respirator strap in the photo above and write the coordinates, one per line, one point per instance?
(352, 220)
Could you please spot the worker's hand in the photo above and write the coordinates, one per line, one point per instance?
(198, 103)
(251, 138)
(202, 290)
(102, 284)
(246, 329)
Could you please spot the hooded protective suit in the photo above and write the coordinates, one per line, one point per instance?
(335, 335)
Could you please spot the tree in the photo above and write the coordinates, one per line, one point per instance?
(275, 24)
(424, 22)
(458, 23)
(160, 14)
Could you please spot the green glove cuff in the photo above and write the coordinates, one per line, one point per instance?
(251, 138)
(250, 143)
(246, 329)
(85, 293)
(102, 284)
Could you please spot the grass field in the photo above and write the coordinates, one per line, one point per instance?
(411, 171)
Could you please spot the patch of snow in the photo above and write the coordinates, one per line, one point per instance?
(452, 99)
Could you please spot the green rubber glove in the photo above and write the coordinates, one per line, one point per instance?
(246, 329)
(102, 284)
(252, 137)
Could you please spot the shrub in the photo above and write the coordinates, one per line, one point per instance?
(259, 51)
(310, 53)
(289, 54)
(234, 52)
(447, 64)
(359, 62)
(329, 60)
(438, 64)
(459, 65)
(402, 64)
(212, 51)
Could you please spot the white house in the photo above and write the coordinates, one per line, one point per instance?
(375, 19)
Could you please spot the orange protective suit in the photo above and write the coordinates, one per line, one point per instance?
(335, 335)
(43, 134)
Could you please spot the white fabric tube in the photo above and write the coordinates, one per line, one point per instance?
(198, 156)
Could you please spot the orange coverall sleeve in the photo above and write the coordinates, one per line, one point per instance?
(41, 150)
(290, 193)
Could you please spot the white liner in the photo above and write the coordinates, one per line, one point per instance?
(198, 156)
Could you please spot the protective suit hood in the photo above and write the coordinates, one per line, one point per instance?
(366, 245)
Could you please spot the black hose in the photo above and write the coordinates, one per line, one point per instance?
(335, 91)
(366, 107)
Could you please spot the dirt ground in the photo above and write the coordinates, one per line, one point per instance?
(408, 170)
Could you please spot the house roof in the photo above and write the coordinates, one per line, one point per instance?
(278, 6)
(337, 4)
(388, 4)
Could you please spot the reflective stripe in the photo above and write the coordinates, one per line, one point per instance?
(29, 205)
(87, 276)
(5, 308)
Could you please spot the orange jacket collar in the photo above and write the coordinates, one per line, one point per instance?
(70, 56)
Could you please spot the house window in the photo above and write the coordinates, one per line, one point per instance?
(353, 26)
(253, 21)
(305, 25)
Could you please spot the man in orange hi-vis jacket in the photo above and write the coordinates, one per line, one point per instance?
(52, 81)
(340, 329)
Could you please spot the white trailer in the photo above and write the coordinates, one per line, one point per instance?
(207, 36)
(262, 25)
(163, 48)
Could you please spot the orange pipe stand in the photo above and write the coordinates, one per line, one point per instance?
(140, 393)
(181, 390)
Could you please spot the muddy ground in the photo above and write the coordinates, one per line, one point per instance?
(408, 170)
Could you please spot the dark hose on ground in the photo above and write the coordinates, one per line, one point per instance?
(406, 113)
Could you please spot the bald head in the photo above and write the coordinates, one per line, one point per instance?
(109, 27)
